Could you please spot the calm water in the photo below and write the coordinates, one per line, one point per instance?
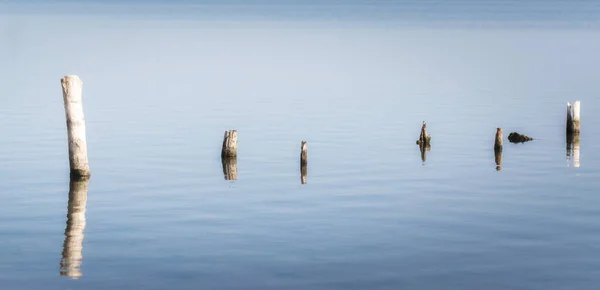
(160, 88)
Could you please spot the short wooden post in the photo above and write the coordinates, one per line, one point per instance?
(78, 157)
(73, 244)
(229, 168)
(498, 139)
(304, 153)
(229, 144)
(303, 162)
(424, 138)
(574, 118)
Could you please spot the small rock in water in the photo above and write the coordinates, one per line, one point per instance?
(518, 138)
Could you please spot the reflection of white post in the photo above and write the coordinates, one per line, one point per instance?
(576, 151)
(569, 119)
(73, 244)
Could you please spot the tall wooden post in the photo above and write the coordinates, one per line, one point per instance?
(73, 245)
(78, 157)
(229, 144)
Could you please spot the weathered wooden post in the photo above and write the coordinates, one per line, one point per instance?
(303, 162)
(229, 168)
(574, 118)
(424, 138)
(229, 144)
(303, 153)
(73, 245)
(78, 157)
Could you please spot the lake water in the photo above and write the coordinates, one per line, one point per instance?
(162, 85)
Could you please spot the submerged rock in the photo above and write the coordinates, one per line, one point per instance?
(515, 137)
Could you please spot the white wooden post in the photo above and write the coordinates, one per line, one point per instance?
(78, 157)
(73, 245)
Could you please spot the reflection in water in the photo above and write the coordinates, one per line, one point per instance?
(424, 149)
(73, 244)
(229, 168)
(498, 158)
(303, 173)
(573, 150)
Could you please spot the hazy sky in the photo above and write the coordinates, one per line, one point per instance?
(429, 12)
